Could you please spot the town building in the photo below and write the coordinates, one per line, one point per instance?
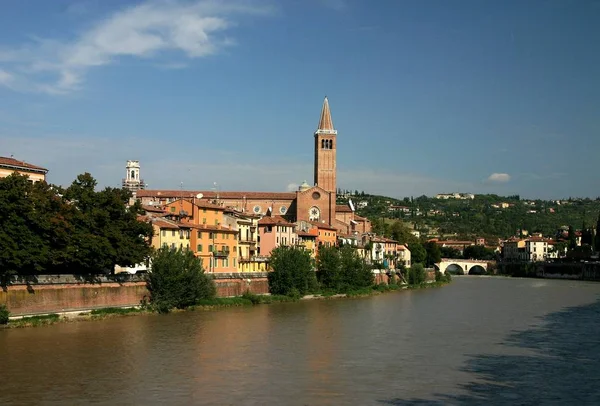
(316, 203)
(275, 231)
(8, 166)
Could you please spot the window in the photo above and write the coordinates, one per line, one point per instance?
(225, 262)
(172, 233)
(211, 235)
(200, 234)
(210, 248)
(277, 240)
(204, 220)
(164, 233)
(216, 222)
(199, 248)
(203, 210)
(172, 209)
(234, 262)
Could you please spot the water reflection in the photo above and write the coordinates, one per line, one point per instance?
(562, 368)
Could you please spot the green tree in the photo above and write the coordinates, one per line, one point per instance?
(416, 274)
(596, 236)
(329, 272)
(356, 273)
(4, 314)
(292, 271)
(434, 254)
(401, 233)
(478, 252)
(572, 238)
(418, 254)
(105, 231)
(449, 252)
(177, 280)
(34, 227)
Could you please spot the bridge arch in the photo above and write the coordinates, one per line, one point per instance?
(454, 269)
(477, 270)
(462, 266)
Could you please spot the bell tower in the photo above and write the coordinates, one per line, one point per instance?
(325, 147)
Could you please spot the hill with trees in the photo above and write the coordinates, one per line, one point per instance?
(488, 216)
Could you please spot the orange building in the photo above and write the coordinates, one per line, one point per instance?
(213, 241)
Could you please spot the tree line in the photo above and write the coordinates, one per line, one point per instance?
(47, 229)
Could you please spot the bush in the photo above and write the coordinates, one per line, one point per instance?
(292, 272)
(177, 280)
(356, 273)
(4, 313)
(329, 271)
(416, 274)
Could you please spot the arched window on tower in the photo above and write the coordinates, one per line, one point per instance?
(132, 174)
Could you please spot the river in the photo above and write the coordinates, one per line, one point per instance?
(479, 340)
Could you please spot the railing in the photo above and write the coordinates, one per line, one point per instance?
(220, 253)
(246, 241)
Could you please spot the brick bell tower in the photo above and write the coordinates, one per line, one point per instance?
(325, 161)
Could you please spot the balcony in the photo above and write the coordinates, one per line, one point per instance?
(246, 241)
(221, 254)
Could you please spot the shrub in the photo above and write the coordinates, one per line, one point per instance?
(416, 274)
(292, 272)
(329, 271)
(356, 273)
(177, 280)
(4, 313)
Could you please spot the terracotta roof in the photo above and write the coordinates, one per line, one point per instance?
(152, 209)
(211, 194)
(20, 164)
(208, 227)
(325, 122)
(305, 234)
(274, 220)
(322, 226)
(162, 223)
(342, 208)
(360, 218)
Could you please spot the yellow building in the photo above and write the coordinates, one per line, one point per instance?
(10, 165)
(247, 237)
(308, 239)
(170, 234)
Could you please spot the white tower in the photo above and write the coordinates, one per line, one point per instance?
(132, 179)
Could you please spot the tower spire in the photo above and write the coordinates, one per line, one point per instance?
(325, 122)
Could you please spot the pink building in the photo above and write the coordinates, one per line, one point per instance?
(274, 231)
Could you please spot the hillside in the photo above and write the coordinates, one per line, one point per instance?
(489, 216)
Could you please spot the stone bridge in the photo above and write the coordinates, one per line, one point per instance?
(463, 266)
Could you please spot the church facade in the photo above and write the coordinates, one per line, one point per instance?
(309, 204)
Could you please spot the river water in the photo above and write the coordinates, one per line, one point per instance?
(479, 340)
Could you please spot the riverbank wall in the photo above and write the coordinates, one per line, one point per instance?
(64, 293)
(587, 271)
(40, 294)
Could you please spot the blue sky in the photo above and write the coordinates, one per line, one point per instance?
(428, 96)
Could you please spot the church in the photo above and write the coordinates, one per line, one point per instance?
(309, 204)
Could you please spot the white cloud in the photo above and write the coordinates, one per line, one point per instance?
(499, 177)
(292, 187)
(5, 78)
(194, 29)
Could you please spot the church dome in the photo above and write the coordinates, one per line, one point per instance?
(304, 186)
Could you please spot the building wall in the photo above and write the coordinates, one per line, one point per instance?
(317, 197)
(173, 238)
(34, 176)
